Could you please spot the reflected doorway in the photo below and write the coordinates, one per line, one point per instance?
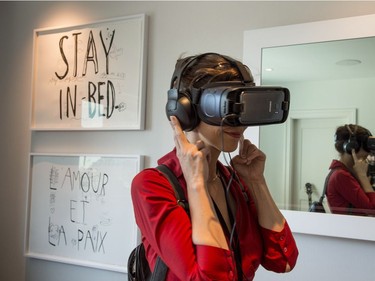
(314, 141)
(311, 147)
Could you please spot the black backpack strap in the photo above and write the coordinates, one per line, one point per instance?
(180, 195)
(160, 270)
(325, 186)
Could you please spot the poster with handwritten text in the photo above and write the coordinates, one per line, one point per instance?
(90, 77)
(80, 209)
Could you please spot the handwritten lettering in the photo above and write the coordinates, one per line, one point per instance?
(95, 240)
(91, 54)
(78, 213)
(86, 181)
(100, 95)
(55, 233)
(95, 97)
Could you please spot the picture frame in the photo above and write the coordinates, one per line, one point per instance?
(90, 76)
(80, 210)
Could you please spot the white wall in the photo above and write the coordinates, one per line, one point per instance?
(174, 28)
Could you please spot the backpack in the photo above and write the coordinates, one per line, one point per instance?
(138, 267)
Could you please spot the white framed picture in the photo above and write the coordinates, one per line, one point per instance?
(80, 210)
(90, 76)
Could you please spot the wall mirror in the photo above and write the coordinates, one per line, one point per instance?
(329, 67)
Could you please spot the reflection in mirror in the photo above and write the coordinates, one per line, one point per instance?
(331, 84)
(343, 226)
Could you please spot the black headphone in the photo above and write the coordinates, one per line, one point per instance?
(352, 142)
(182, 103)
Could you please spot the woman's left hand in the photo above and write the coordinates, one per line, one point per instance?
(250, 162)
(249, 165)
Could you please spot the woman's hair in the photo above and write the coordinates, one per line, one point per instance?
(207, 69)
(343, 134)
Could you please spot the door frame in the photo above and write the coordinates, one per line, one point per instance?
(348, 114)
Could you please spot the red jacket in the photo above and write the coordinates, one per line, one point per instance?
(345, 194)
(166, 231)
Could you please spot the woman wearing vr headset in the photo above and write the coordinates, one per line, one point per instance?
(234, 225)
(349, 190)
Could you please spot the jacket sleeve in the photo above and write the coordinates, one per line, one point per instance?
(280, 249)
(166, 232)
(351, 190)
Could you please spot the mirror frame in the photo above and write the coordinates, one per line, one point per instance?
(342, 226)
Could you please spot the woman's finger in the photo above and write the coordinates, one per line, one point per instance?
(242, 150)
(179, 136)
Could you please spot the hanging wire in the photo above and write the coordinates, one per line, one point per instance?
(227, 188)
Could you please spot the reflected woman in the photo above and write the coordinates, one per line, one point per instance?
(349, 190)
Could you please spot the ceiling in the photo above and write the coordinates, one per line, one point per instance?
(342, 59)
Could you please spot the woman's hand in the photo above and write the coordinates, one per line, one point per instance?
(206, 228)
(250, 162)
(360, 165)
(193, 157)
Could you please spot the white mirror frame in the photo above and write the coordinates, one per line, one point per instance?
(343, 226)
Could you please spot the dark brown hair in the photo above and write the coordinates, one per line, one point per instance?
(344, 132)
(207, 69)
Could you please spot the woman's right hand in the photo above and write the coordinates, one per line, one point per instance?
(193, 157)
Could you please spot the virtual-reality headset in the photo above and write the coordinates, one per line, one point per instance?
(233, 103)
(370, 144)
(238, 105)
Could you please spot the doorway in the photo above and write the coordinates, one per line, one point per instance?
(311, 150)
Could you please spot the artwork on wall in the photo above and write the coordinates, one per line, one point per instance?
(80, 209)
(91, 76)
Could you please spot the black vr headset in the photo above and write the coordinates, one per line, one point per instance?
(357, 141)
(233, 103)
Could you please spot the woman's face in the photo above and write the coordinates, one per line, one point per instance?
(224, 138)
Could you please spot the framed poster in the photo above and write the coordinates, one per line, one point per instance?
(80, 209)
(91, 76)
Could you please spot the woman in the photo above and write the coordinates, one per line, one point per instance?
(234, 225)
(349, 189)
